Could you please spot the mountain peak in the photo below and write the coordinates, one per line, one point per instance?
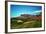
(25, 15)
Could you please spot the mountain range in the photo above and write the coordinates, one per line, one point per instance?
(28, 17)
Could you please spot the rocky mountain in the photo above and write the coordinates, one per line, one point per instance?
(28, 17)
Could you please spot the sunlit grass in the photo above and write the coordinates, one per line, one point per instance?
(25, 24)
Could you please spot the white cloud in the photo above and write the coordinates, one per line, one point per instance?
(34, 13)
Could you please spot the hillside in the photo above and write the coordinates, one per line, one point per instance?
(26, 21)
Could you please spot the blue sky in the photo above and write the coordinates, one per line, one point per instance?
(17, 10)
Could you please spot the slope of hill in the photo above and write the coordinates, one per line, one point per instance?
(26, 21)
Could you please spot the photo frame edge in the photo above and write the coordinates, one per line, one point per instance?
(6, 16)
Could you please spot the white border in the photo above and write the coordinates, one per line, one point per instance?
(27, 29)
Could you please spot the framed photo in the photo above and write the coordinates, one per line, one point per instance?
(24, 16)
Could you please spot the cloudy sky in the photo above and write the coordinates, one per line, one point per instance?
(17, 10)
